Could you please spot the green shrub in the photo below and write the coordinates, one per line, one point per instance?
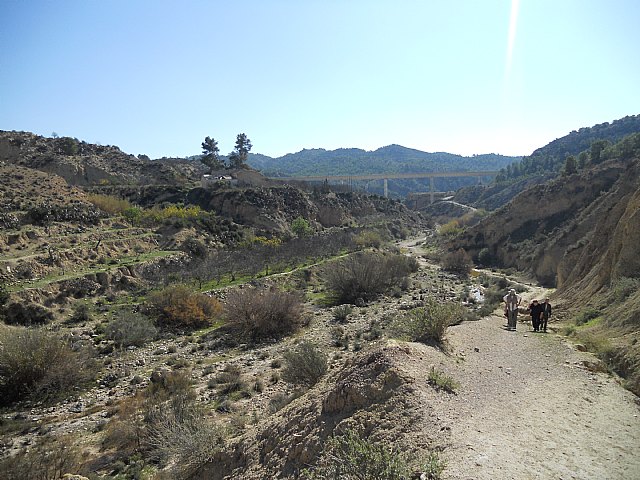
(301, 228)
(341, 313)
(130, 329)
(485, 257)
(4, 295)
(587, 315)
(38, 364)
(366, 275)
(81, 313)
(442, 381)
(194, 247)
(305, 365)
(450, 229)
(26, 314)
(260, 314)
(429, 324)
(178, 306)
(350, 456)
(133, 214)
(67, 145)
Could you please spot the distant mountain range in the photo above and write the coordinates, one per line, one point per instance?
(389, 159)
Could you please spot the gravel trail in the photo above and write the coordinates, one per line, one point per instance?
(530, 408)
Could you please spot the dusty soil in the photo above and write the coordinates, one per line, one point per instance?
(530, 407)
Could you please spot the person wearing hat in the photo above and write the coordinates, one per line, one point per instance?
(546, 313)
(512, 301)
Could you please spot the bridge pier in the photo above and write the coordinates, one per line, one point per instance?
(432, 190)
(386, 188)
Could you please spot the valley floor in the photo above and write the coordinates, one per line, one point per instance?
(530, 407)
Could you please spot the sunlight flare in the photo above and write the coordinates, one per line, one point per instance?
(513, 24)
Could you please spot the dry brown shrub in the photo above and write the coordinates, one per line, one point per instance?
(458, 261)
(109, 204)
(180, 307)
(49, 459)
(367, 275)
(260, 314)
(36, 363)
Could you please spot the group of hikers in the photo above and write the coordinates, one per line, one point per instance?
(540, 312)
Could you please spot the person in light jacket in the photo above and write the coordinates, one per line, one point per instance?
(512, 301)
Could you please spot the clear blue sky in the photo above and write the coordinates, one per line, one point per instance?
(462, 76)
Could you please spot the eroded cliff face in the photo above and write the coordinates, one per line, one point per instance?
(272, 209)
(576, 228)
(610, 250)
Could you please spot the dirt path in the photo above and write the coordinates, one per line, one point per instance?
(528, 408)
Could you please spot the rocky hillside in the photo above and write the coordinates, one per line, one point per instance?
(81, 163)
(272, 209)
(562, 230)
(580, 233)
(589, 145)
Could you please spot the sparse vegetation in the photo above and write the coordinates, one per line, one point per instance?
(351, 456)
(429, 324)
(38, 364)
(305, 365)
(364, 276)
(442, 381)
(49, 459)
(260, 314)
(368, 239)
(341, 313)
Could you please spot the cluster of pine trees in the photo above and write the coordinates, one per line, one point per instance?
(588, 146)
(237, 158)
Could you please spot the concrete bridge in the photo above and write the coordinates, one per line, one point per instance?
(385, 177)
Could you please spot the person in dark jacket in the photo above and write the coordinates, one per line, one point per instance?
(535, 310)
(546, 313)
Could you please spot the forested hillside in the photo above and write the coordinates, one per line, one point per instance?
(389, 159)
(588, 145)
(572, 153)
